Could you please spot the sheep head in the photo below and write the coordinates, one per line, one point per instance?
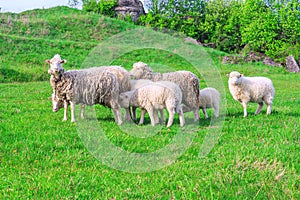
(56, 65)
(56, 103)
(234, 78)
(141, 70)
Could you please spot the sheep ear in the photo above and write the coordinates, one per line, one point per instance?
(47, 61)
(241, 75)
(227, 75)
(63, 61)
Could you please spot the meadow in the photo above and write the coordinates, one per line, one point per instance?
(42, 157)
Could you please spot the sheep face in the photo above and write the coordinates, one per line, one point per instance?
(124, 99)
(234, 78)
(56, 104)
(140, 70)
(56, 65)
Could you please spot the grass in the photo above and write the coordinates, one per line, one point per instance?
(42, 157)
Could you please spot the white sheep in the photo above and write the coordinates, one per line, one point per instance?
(251, 89)
(135, 84)
(186, 80)
(153, 97)
(210, 98)
(88, 87)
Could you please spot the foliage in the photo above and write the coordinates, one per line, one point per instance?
(270, 27)
(104, 7)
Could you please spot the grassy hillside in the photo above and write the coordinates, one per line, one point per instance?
(29, 38)
(42, 157)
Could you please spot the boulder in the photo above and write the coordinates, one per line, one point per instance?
(291, 64)
(134, 8)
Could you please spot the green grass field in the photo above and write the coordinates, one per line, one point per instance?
(42, 157)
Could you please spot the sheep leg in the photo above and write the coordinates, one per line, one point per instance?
(260, 106)
(143, 112)
(205, 113)
(150, 111)
(134, 112)
(268, 101)
(117, 115)
(269, 108)
(82, 111)
(127, 114)
(162, 116)
(65, 111)
(171, 116)
(216, 110)
(155, 114)
(244, 104)
(196, 114)
(181, 117)
(72, 111)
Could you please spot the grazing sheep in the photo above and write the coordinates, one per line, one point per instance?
(251, 89)
(135, 84)
(210, 98)
(155, 96)
(187, 81)
(123, 78)
(89, 87)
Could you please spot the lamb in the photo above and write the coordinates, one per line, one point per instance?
(210, 98)
(251, 89)
(187, 81)
(156, 96)
(135, 84)
(89, 87)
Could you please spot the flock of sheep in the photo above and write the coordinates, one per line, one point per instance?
(177, 92)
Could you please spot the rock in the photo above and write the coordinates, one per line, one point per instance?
(270, 62)
(134, 8)
(192, 40)
(291, 64)
(254, 57)
(232, 60)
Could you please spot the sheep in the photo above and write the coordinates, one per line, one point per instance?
(123, 78)
(186, 80)
(135, 84)
(156, 96)
(251, 89)
(122, 75)
(210, 98)
(89, 87)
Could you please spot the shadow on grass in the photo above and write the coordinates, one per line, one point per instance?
(10, 75)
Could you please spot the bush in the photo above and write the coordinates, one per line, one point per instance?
(104, 7)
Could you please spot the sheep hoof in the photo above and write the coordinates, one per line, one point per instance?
(64, 120)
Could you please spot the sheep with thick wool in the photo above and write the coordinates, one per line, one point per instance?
(153, 97)
(89, 87)
(122, 75)
(186, 80)
(210, 98)
(251, 89)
